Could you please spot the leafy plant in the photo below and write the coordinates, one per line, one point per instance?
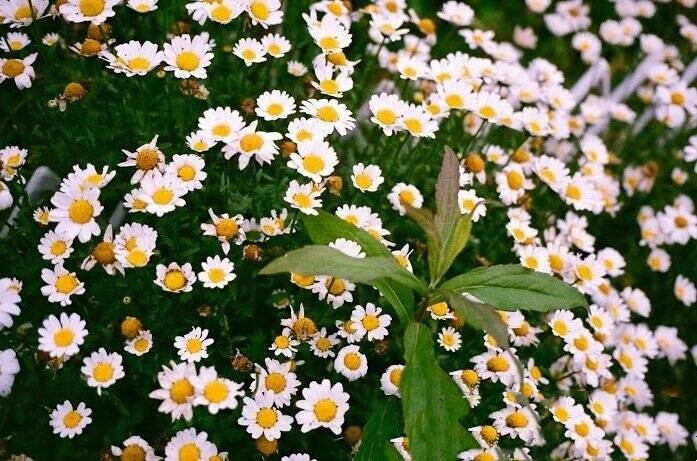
(431, 403)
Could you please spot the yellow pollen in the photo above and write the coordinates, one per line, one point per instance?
(304, 327)
(91, 7)
(386, 116)
(23, 13)
(573, 192)
(275, 382)
(221, 13)
(63, 337)
(58, 247)
(487, 112)
(162, 196)
(439, 309)
(325, 410)
(12, 68)
(249, 54)
(414, 126)
(72, 419)
(147, 159)
(189, 452)
(174, 280)
(259, 10)
(363, 180)
(370, 322)
(90, 47)
(137, 258)
(282, 342)
(515, 180)
(329, 86)
(497, 364)
(352, 361)
(216, 275)
(336, 287)
(221, 130)
(216, 391)
(194, 345)
(454, 101)
(81, 211)
(470, 378)
(275, 109)
(266, 418)
(66, 283)
(186, 173)
(187, 60)
(104, 253)
(396, 376)
(328, 114)
(560, 327)
(133, 453)
(181, 391)
(251, 142)
(489, 434)
(323, 344)
(516, 420)
(139, 64)
(313, 163)
(103, 372)
(584, 272)
(329, 43)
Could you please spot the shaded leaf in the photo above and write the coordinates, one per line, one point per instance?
(325, 260)
(432, 404)
(480, 316)
(383, 425)
(513, 287)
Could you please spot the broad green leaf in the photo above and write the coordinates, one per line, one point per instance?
(326, 227)
(382, 426)
(432, 404)
(325, 260)
(424, 218)
(454, 243)
(480, 316)
(513, 287)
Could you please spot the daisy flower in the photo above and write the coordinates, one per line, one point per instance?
(193, 346)
(449, 339)
(176, 391)
(386, 110)
(134, 244)
(102, 369)
(366, 178)
(62, 337)
(250, 50)
(69, 421)
(321, 344)
(104, 254)
(14, 41)
(217, 273)
(277, 380)
(296, 68)
(284, 344)
(249, 143)
(307, 129)
(329, 84)
(215, 392)
(189, 170)
(224, 11)
(221, 123)
(94, 11)
(265, 12)
(133, 58)
(371, 322)
(322, 405)
(274, 105)
(162, 192)
(261, 418)
(75, 210)
(418, 122)
(329, 34)
(225, 229)
(471, 204)
(188, 56)
(9, 300)
(402, 194)
(276, 45)
(188, 444)
(304, 197)
(140, 344)
(147, 159)
(61, 284)
(135, 448)
(20, 13)
(142, 6)
(175, 278)
(331, 113)
(9, 367)
(351, 363)
(391, 379)
(55, 247)
(440, 311)
(314, 159)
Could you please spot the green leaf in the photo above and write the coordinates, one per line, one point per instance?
(326, 227)
(513, 287)
(432, 404)
(480, 316)
(325, 260)
(382, 426)
(424, 218)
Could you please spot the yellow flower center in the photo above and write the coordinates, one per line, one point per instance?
(137, 258)
(282, 342)
(573, 192)
(66, 284)
(489, 434)
(23, 13)
(227, 227)
(516, 420)
(266, 418)
(104, 253)
(487, 112)
(194, 345)
(141, 344)
(329, 86)
(363, 180)
(249, 54)
(302, 200)
(174, 280)
(352, 361)
(396, 376)
(325, 410)
(677, 98)
(13, 68)
(103, 372)
(181, 391)
(216, 391)
(251, 142)
(90, 47)
(147, 159)
(162, 196)
(259, 10)
(313, 163)
(189, 452)
(187, 60)
(133, 453)
(323, 344)
(560, 327)
(370, 322)
(514, 180)
(72, 419)
(275, 109)
(386, 116)
(484, 456)
(556, 262)
(582, 429)
(216, 275)
(221, 13)
(304, 327)
(139, 63)
(336, 287)
(407, 196)
(414, 126)
(497, 364)
(275, 382)
(680, 222)
(81, 211)
(63, 337)
(186, 173)
(328, 114)
(329, 43)
(454, 101)
(91, 7)
(58, 247)
(584, 272)
(470, 377)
